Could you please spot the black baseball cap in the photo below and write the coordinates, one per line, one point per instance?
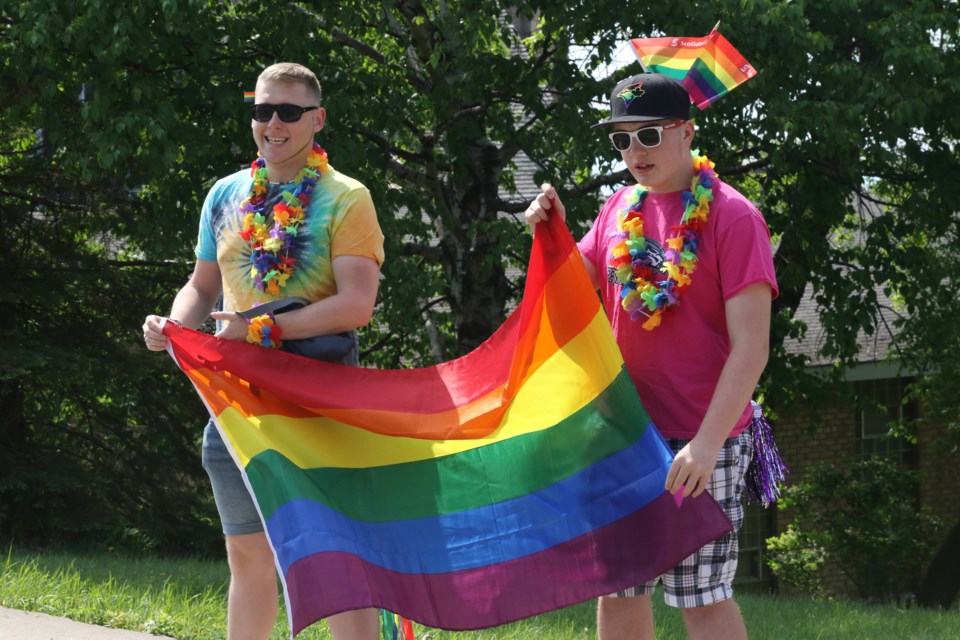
(645, 97)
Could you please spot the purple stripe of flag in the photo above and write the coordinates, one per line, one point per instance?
(701, 91)
(630, 551)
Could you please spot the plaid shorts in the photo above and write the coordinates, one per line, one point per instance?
(706, 577)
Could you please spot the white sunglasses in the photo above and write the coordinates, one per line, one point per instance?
(648, 137)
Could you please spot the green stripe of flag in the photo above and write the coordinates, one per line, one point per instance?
(458, 482)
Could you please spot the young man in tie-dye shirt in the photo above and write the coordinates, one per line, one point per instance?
(327, 248)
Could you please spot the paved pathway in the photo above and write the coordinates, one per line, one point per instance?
(27, 625)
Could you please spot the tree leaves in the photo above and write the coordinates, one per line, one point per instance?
(119, 117)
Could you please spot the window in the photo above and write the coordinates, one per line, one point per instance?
(752, 569)
(880, 404)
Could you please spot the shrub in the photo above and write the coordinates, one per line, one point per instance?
(862, 519)
(797, 561)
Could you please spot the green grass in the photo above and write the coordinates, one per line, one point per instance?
(186, 599)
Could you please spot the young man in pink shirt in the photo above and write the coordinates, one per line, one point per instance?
(684, 267)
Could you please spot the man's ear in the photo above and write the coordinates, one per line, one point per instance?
(319, 119)
(689, 131)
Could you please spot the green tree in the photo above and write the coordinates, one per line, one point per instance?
(97, 200)
(120, 115)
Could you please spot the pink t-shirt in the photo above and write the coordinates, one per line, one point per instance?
(676, 366)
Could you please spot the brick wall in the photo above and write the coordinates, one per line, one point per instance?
(940, 482)
(831, 436)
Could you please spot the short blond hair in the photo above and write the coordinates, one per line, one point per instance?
(292, 73)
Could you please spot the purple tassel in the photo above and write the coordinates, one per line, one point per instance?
(767, 469)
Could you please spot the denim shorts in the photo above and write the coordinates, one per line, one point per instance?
(706, 576)
(238, 515)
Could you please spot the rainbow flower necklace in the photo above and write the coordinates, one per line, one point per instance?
(642, 293)
(271, 264)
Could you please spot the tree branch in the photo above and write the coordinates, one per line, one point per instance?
(387, 146)
(341, 37)
(403, 171)
(608, 180)
(431, 252)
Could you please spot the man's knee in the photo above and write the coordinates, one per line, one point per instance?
(620, 618)
(718, 621)
(249, 554)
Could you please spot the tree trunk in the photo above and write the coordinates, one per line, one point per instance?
(941, 583)
(478, 287)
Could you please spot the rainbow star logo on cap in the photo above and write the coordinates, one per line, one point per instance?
(631, 93)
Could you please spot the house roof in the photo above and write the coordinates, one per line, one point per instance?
(874, 348)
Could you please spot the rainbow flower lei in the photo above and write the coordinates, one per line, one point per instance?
(641, 293)
(270, 262)
(263, 330)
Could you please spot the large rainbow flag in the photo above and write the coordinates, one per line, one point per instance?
(518, 479)
(709, 67)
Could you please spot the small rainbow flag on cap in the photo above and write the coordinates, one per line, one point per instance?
(249, 96)
(708, 67)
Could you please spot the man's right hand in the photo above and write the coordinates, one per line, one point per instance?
(153, 334)
(544, 205)
(191, 305)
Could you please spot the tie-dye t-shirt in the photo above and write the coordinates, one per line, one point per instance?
(340, 221)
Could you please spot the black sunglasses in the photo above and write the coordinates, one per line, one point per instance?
(263, 112)
(648, 137)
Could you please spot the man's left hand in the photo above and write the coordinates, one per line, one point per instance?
(234, 327)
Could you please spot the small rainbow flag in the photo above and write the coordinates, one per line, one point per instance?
(249, 96)
(709, 67)
(521, 478)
